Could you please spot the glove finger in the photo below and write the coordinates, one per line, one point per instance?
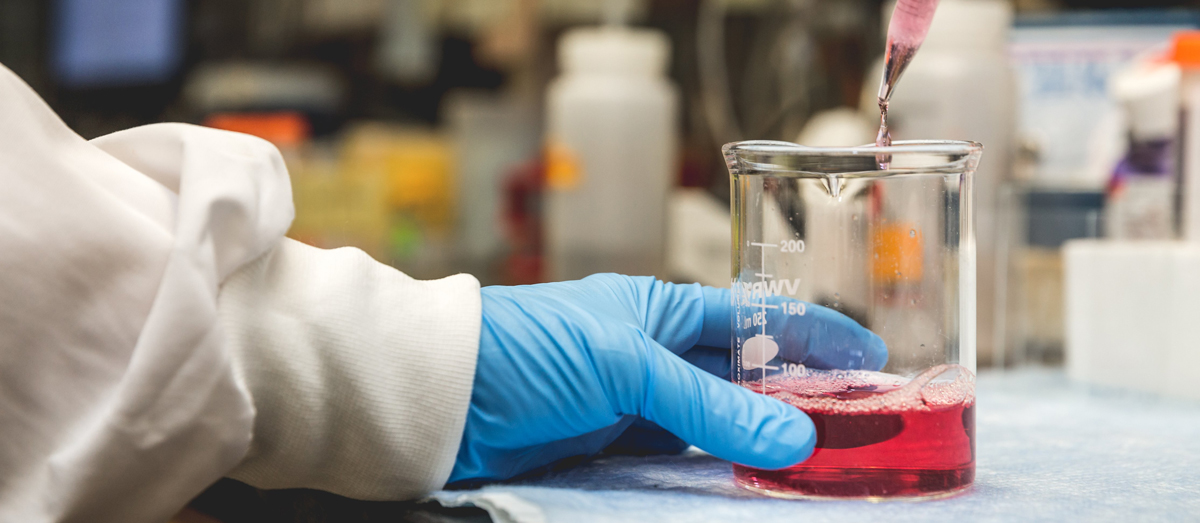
(725, 420)
(817, 336)
(713, 360)
(823, 338)
(677, 316)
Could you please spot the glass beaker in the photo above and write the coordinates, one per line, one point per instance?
(854, 290)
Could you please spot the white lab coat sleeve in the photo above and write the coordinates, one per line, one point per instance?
(118, 396)
(158, 332)
(360, 376)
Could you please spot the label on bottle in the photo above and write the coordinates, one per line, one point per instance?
(564, 171)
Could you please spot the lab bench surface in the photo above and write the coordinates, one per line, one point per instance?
(1047, 450)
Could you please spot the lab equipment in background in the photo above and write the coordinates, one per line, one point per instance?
(1141, 194)
(591, 11)
(698, 242)
(903, 269)
(524, 188)
(490, 134)
(105, 43)
(414, 166)
(960, 86)
(1064, 60)
(801, 57)
(1131, 307)
(1072, 136)
(1045, 220)
(611, 118)
(316, 91)
(1131, 311)
(840, 127)
(334, 208)
(409, 41)
(1185, 53)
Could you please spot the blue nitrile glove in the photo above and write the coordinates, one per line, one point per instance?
(565, 368)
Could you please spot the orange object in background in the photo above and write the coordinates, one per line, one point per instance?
(284, 129)
(1185, 49)
(416, 166)
(899, 251)
(564, 170)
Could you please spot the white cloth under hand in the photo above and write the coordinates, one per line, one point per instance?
(157, 331)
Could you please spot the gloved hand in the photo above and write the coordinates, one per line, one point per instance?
(565, 368)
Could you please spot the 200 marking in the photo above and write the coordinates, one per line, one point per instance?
(790, 246)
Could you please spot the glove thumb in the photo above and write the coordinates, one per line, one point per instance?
(726, 420)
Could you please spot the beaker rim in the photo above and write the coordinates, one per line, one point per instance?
(935, 156)
(899, 146)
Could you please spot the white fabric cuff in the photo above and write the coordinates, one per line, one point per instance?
(360, 375)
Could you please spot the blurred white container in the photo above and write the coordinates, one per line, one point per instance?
(699, 246)
(611, 153)
(960, 86)
(1141, 199)
(1131, 315)
(491, 135)
(1186, 53)
(1068, 123)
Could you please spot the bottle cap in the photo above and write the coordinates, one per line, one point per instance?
(1150, 94)
(614, 50)
(1185, 49)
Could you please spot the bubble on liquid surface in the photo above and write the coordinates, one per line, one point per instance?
(941, 390)
(866, 392)
(912, 233)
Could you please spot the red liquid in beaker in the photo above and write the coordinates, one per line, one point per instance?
(913, 441)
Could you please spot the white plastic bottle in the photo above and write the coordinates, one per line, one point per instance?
(960, 86)
(1141, 195)
(611, 126)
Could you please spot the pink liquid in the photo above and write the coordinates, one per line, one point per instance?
(877, 436)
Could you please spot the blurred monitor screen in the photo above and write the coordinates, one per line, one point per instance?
(99, 43)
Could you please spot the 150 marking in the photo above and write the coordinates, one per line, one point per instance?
(791, 308)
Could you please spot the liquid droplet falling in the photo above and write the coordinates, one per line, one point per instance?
(884, 138)
(832, 184)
